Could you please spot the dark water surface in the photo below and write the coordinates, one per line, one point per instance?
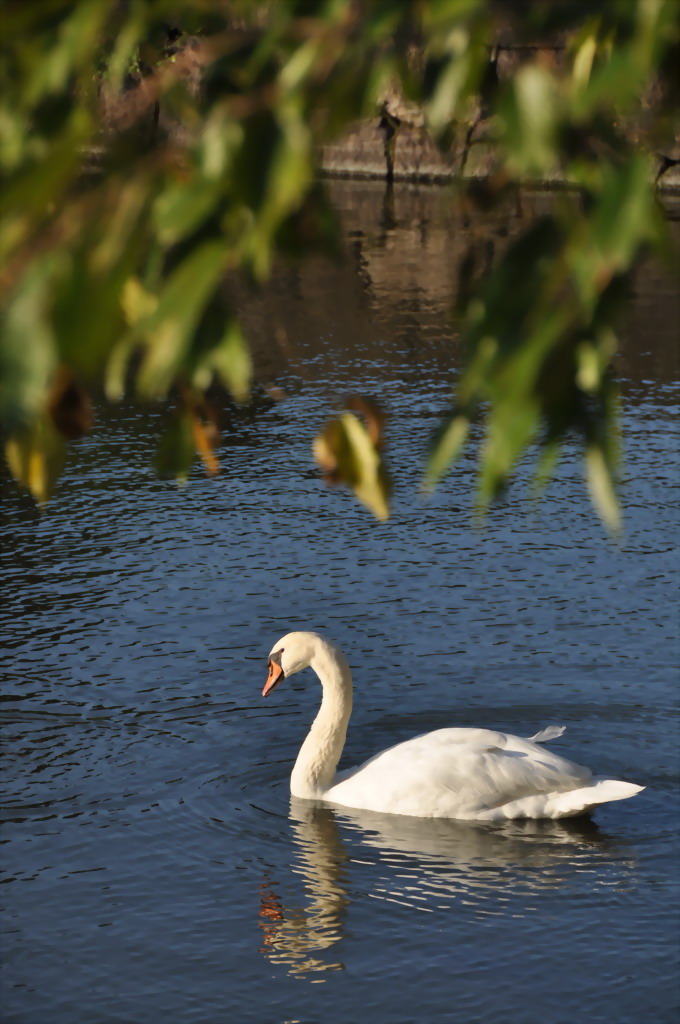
(153, 867)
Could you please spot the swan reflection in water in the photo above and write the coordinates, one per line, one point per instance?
(427, 864)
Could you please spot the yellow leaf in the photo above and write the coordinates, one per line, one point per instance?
(583, 61)
(136, 301)
(347, 454)
(35, 457)
(601, 487)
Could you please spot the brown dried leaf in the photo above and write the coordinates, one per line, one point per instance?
(206, 438)
(69, 405)
(372, 414)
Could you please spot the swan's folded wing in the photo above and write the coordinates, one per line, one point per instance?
(551, 732)
(456, 773)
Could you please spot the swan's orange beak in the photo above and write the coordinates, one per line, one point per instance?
(276, 674)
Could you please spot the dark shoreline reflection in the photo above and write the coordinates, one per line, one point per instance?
(391, 302)
(425, 864)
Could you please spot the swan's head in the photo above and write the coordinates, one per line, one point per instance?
(290, 654)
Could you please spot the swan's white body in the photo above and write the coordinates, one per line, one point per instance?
(471, 774)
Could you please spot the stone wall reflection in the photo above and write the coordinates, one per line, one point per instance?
(392, 297)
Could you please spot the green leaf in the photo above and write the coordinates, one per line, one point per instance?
(73, 45)
(138, 303)
(530, 123)
(177, 449)
(28, 357)
(441, 15)
(220, 140)
(230, 360)
(13, 137)
(36, 185)
(602, 488)
(583, 60)
(510, 427)
(445, 449)
(299, 65)
(125, 211)
(626, 213)
(182, 207)
(129, 37)
(117, 367)
(547, 461)
(624, 218)
(593, 360)
(169, 329)
(451, 81)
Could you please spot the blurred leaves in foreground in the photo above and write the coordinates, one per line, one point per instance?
(348, 451)
(151, 147)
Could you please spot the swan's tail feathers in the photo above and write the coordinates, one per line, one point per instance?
(581, 801)
(551, 732)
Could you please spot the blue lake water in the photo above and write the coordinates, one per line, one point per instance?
(154, 867)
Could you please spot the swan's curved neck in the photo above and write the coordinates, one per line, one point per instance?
(314, 769)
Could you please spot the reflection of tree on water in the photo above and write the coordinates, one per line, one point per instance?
(424, 863)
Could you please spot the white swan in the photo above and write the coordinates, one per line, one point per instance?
(472, 774)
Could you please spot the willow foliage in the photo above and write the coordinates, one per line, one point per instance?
(149, 147)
